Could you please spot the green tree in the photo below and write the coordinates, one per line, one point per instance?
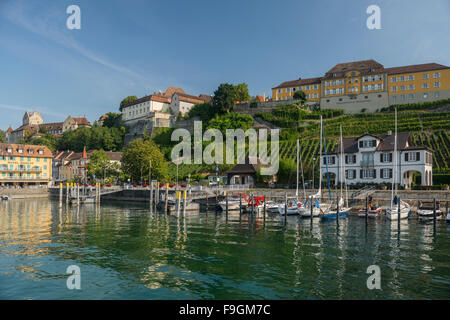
(136, 160)
(47, 140)
(113, 120)
(231, 121)
(242, 92)
(225, 98)
(100, 165)
(93, 138)
(127, 100)
(205, 111)
(2, 136)
(300, 95)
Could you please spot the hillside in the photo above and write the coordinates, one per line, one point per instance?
(427, 127)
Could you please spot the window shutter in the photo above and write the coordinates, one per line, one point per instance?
(381, 173)
(418, 156)
(360, 144)
(346, 159)
(390, 173)
(381, 157)
(374, 143)
(406, 156)
(360, 174)
(374, 173)
(354, 158)
(390, 157)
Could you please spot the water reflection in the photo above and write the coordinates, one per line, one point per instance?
(126, 251)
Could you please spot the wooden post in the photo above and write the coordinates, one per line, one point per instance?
(446, 207)
(434, 212)
(311, 208)
(206, 201)
(167, 198)
(67, 193)
(367, 209)
(337, 210)
(398, 214)
(285, 207)
(184, 202)
(226, 204)
(240, 204)
(78, 194)
(264, 210)
(151, 196)
(178, 195)
(60, 195)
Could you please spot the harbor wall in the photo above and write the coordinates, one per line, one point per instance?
(26, 193)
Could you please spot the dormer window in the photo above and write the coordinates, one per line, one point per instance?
(31, 151)
(40, 151)
(20, 150)
(367, 143)
(9, 150)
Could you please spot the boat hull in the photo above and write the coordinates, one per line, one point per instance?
(333, 214)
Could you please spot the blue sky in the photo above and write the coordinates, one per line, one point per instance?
(136, 47)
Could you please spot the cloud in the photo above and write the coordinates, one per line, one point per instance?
(42, 110)
(16, 14)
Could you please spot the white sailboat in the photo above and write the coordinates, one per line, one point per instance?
(393, 213)
(305, 210)
(341, 209)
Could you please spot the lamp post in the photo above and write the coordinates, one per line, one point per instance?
(150, 172)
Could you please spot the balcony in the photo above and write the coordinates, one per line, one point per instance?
(367, 163)
(4, 169)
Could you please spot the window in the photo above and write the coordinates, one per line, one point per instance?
(426, 76)
(386, 157)
(350, 174)
(279, 90)
(287, 90)
(411, 77)
(436, 94)
(394, 88)
(424, 85)
(437, 85)
(386, 173)
(350, 159)
(402, 88)
(437, 75)
(367, 143)
(402, 97)
(393, 79)
(402, 78)
(412, 156)
(368, 174)
(411, 96)
(411, 87)
(425, 95)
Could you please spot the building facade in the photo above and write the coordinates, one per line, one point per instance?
(370, 159)
(24, 165)
(73, 165)
(366, 85)
(33, 122)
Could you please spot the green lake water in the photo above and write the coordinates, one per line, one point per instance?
(125, 252)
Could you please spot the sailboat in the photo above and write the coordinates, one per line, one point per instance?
(343, 210)
(305, 210)
(293, 207)
(393, 213)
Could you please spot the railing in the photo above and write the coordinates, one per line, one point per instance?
(4, 169)
(367, 163)
(22, 178)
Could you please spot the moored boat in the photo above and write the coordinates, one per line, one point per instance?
(426, 211)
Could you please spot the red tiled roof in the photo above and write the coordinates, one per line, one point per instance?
(82, 121)
(25, 147)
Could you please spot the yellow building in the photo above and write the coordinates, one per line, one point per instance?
(22, 164)
(367, 86)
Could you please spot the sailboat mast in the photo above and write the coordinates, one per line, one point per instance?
(296, 190)
(394, 160)
(320, 159)
(303, 176)
(341, 164)
(396, 155)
